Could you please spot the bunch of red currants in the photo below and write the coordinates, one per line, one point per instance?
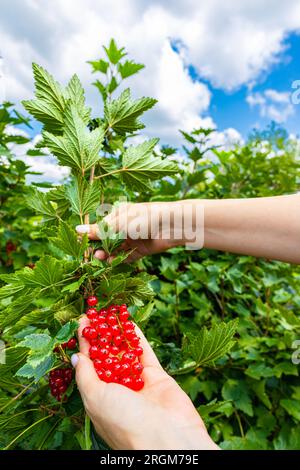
(114, 345)
(59, 380)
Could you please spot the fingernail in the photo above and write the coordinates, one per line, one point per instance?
(74, 360)
(83, 228)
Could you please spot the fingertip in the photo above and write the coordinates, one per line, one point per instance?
(100, 255)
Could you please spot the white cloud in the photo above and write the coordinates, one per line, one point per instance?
(272, 104)
(229, 43)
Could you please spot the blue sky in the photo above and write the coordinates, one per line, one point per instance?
(232, 66)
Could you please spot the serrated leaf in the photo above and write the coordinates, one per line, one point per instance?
(68, 242)
(129, 68)
(75, 92)
(84, 197)
(113, 53)
(237, 392)
(99, 65)
(36, 342)
(141, 166)
(50, 103)
(122, 114)
(47, 273)
(214, 407)
(66, 332)
(28, 371)
(210, 345)
(41, 204)
(77, 148)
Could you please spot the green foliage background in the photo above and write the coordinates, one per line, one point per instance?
(248, 393)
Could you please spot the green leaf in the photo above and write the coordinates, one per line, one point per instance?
(37, 372)
(68, 242)
(236, 390)
(129, 68)
(78, 148)
(259, 389)
(36, 342)
(140, 166)
(113, 53)
(66, 332)
(50, 103)
(214, 407)
(143, 313)
(75, 92)
(210, 345)
(99, 65)
(42, 205)
(292, 407)
(47, 273)
(74, 286)
(84, 197)
(122, 114)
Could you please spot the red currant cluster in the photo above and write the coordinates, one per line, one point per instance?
(71, 344)
(114, 345)
(59, 380)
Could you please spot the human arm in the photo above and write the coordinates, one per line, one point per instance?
(261, 227)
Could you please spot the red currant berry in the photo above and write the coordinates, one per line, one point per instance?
(108, 363)
(111, 319)
(112, 309)
(101, 319)
(103, 342)
(89, 333)
(128, 325)
(115, 330)
(123, 316)
(103, 353)
(92, 301)
(62, 388)
(94, 321)
(129, 334)
(98, 364)
(123, 308)
(134, 342)
(128, 357)
(94, 342)
(109, 336)
(59, 381)
(125, 368)
(114, 350)
(72, 343)
(126, 381)
(103, 312)
(117, 368)
(107, 376)
(118, 340)
(68, 374)
(138, 351)
(103, 329)
(91, 312)
(137, 384)
(93, 352)
(100, 373)
(137, 368)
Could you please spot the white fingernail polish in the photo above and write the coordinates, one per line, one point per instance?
(74, 360)
(83, 228)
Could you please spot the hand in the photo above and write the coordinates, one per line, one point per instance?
(160, 416)
(151, 227)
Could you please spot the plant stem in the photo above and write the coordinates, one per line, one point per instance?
(23, 432)
(119, 170)
(239, 423)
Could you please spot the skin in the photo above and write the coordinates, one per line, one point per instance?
(160, 416)
(262, 227)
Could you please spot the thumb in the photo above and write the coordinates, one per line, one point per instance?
(87, 379)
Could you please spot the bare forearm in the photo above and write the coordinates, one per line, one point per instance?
(262, 227)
